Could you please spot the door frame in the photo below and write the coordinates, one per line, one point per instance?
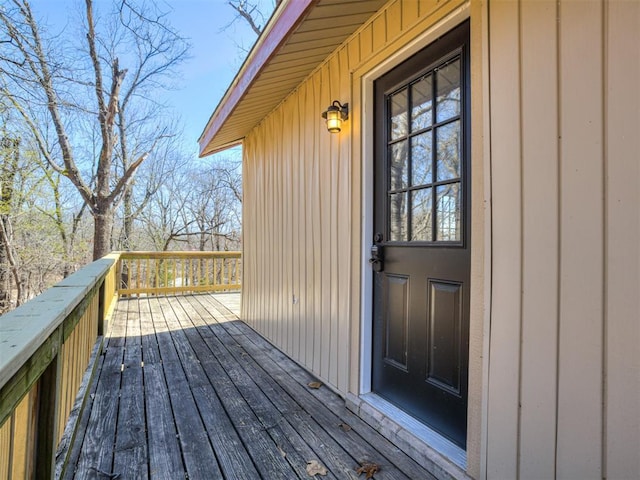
(364, 101)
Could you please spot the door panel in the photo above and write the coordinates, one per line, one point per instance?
(421, 220)
(445, 321)
(397, 321)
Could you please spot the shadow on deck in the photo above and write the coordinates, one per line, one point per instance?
(184, 389)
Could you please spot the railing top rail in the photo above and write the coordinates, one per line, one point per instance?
(25, 329)
(194, 254)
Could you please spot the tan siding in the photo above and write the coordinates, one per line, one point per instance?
(564, 389)
(581, 241)
(540, 239)
(563, 110)
(502, 443)
(298, 231)
(344, 235)
(622, 188)
(409, 14)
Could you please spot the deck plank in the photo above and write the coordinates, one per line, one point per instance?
(130, 453)
(322, 424)
(186, 390)
(281, 367)
(234, 389)
(199, 459)
(266, 457)
(96, 455)
(165, 457)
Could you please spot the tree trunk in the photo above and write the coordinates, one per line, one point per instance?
(102, 234)
(127, 220)
(8, 168)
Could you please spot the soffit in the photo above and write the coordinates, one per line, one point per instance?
(300, 35)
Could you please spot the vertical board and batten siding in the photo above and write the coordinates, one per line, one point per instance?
(564, 388)
(563, 113)
(301, 224)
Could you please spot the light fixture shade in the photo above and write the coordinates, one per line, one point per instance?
(335, 114)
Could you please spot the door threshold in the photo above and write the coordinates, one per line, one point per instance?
(437, 454)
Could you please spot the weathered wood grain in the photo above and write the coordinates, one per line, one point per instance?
(198, 455)
(165, 457)
(312, 418)
(130, 455)
(265, 444)
(97, 451)
(324, 400)
(186, 390)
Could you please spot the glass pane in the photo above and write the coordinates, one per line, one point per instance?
(448, 154)
(398, 217)
(398, 108)
(399, 165)
(448, 99)
(448, 213)
(421, 104)
(421, 161)
(421, 221)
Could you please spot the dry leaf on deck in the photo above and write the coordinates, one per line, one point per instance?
(282, 452)
(315, 468)
(369, 468)
(315, 385)
(345, 427)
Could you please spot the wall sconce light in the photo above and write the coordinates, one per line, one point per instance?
(336, 114)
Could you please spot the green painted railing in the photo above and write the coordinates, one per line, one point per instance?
(45, 348)
(49, 346)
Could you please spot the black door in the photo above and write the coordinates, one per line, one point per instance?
(421, 254)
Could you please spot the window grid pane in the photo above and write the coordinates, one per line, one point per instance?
(422, 103)
(421, 159)
(399, 165)
(421, 215)
(398, 109)
(448, 98)
(426, 163)
(448, 151)
(448, 213)
(398, 221)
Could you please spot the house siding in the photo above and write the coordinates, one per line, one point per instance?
(299, 180)
(554, 359)
(563, 384)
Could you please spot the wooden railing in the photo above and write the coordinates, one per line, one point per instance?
(49, 346)
(45, 348)
(168, 273)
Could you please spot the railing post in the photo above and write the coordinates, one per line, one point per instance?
(48, 404)
(102, 306)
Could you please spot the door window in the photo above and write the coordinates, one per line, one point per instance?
(424, 148)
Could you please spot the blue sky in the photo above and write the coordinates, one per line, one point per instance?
(216, 52)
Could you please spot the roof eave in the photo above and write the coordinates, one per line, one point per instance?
(283, 22)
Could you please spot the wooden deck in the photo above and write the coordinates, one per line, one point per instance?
(186, 390)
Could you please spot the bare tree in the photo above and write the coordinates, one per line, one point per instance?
(8, 263)
(197, 207)
(248, 12)
(78, 101)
